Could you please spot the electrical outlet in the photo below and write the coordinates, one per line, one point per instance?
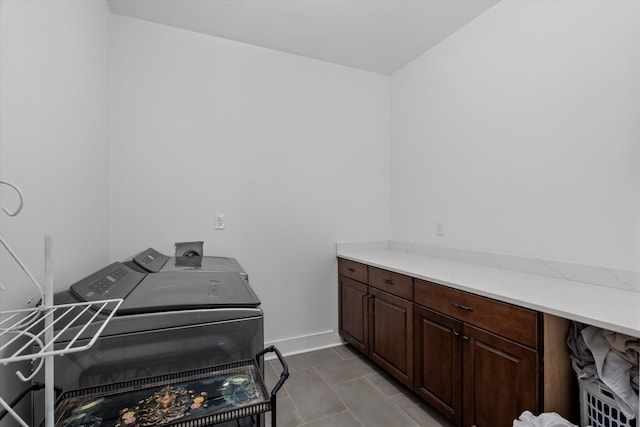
(218, 221)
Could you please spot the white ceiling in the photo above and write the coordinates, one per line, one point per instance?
(375, 35)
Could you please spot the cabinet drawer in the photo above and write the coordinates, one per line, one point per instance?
(393, 283)
(516, 323)
(352, 269)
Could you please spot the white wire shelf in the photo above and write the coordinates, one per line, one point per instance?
(22, 332)
(48, 330)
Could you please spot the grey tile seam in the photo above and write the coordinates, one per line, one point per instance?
(342, 357)
(336, 352)
(339, 398)
(384, 397)
(366, 377)
(295, 408)
(346, 411)
(403, 410)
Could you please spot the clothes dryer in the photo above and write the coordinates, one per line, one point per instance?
(168, 322)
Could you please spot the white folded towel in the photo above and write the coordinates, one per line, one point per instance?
(548, 419)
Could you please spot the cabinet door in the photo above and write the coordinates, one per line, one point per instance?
(438, 362)
(500, 379)
(354, 313)
(391, 335)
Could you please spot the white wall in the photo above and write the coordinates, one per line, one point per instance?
(521, 134)
(54, 132)
(294, 152)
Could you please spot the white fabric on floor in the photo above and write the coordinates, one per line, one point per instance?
(548, 419)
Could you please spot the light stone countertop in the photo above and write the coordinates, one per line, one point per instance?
(606, 307)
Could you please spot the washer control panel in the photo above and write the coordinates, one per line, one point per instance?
(114, 281)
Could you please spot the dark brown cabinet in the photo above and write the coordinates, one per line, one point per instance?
(480, 362)
(353, 304)
(376, 316)
(500, 379)
(391, 334)
(461, 367)
(438, 362)
(354, 313)
(476, 376)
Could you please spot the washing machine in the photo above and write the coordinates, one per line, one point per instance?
(168, 322)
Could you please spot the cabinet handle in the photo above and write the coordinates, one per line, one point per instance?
(461, 307)
(456, 334)
(388, 282)
(351, 269)
(465, 338)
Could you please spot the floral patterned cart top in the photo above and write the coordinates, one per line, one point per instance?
(163, 404)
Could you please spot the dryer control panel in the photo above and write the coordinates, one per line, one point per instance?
(151, 260)
(114, 281)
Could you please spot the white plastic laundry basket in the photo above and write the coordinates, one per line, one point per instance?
(599, 409)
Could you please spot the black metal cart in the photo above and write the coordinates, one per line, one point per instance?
(196, 398)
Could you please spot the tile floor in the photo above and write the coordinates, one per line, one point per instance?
(336, 387)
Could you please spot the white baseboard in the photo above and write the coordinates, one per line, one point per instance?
(305, 343)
